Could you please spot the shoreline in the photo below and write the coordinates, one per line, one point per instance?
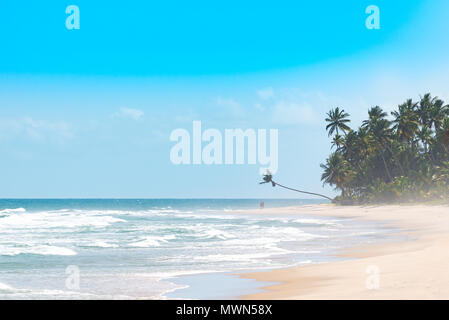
(197, 286)
(235, 283)
(410, 269)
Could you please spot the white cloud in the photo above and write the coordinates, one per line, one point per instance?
(231, 107)
(37, 130)
(293, 113)
(259, 107)
(266, 93)
(129, 113)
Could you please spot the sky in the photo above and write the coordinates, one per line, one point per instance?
(87, 113)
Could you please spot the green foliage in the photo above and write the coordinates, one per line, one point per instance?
(403, 159)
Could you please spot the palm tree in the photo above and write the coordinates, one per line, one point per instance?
(424, 108)
(337, 120)
(368, 163)
(381, 132)
(443, 137)
(437, 113)
(337, 142)
(406, 121)
(363, 141)
(374, 114)
(336, 172)
(425, 135)
(351, 149)
(445, 132)
(268, 178)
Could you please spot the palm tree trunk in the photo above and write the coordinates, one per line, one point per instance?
(357, 163)
(386, 167)
(315, 194)
(445, 148)
(430, 158)
(396, 160)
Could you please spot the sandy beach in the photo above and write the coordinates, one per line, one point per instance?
(413, 269)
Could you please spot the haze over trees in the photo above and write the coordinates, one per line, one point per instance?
(399, 157)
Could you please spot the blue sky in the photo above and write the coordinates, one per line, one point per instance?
(88, 113)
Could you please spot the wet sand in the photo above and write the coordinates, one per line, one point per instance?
(415, 269)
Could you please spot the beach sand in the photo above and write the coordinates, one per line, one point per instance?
(417, 268)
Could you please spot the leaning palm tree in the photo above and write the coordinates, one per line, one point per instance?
(337, 121)
(268, 178)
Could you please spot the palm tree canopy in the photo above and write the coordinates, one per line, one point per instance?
(336, 171)
(337, 141)
(405, 159)
(374, 114)
(337, 120)
(406, 120)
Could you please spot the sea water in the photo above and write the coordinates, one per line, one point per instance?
(135, 248)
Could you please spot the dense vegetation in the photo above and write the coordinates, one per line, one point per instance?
(399, 158)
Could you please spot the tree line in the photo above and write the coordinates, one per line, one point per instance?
(401, 157)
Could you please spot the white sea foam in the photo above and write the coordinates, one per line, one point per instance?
(151, 241)
(137, 213)
(235, 257)
(159, 244)
(9, 292)
(5, 287)
(102, 244)
(39, 249)
(215, 233)
(207, 216)
(333, 223)
(173, 274)
(295, 233)
(45, 220)
(12, 210)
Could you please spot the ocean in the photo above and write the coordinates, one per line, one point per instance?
(147, 248)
